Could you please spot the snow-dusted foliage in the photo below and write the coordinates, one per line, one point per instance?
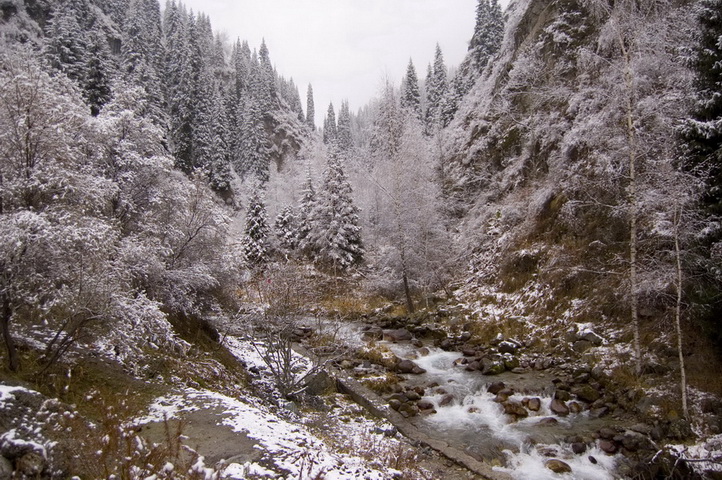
(99, 232)
(256, 239)
(334, 235)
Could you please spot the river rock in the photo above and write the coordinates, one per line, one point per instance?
(634, 441)
(533, 404)
(586, 393)
(496, 387)
(447, 399)
(516, 409)
(575, 407)
(472, 366)
(320, 384)
(508, 346)
(548, 421)
(423, 351)
(559, 407)
(504, 395)
(407, 366)
(579, 447)
(557, 466)
(510, 362)
(492, 367)
(395, 403)
(425, 405)
(608, 446)
(408, 410)
(562, 395)
(607, 433)
(413, 396)
(399, 335)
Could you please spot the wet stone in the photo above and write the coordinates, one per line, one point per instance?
(559, 407)
(496, 387)
(557, 466)
(425, 405)
(446, 400)
(516, 409)
(608, 446)
(586, 393)
(534, 404)
(578, 448)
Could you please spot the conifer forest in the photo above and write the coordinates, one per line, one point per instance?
(505, 268)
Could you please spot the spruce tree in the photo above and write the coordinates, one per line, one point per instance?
(488, 33)
(286, 229)
(255, 236)
(330, 131)
(335, 234)
(305, 210)
(343, 130)
(310, 111)
(703, 132)
(436, 87)
(179, 84)
(411, 95)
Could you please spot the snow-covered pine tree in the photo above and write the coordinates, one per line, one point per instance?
(97, 90)
(142, 53)
(305, 210)
(310, 110)
(330, 131)
(179, 84)
(436, 87)
(286, 230)
(703, 132)
(255, 149)
(266, 92)
(66, 43)
(255, 241)
(411, 94)
(343, 131)
(335, 235)
(488, 33)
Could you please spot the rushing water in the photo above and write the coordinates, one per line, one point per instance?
(467, 417)
(474, 422)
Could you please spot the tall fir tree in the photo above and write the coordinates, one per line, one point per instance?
(436, 88)
(488, 33)
(330, 130)
(142, 52)
(310, 110)
(179, 84)
(305, 211)
(286, 230)
(703, 132)
(343, 130)
(335, 235)
(255, 241)
(411, 94)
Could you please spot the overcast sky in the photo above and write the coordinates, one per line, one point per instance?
(345, 48)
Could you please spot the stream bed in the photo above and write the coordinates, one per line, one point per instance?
(461, 411)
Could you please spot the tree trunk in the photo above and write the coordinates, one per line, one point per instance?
(632, 201)
(407, 292)
(678, 313)
(13, 360)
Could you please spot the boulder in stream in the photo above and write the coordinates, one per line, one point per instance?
(557, 466)
(399, 335)
(407, 366)
(559, 407)
(516, 410)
